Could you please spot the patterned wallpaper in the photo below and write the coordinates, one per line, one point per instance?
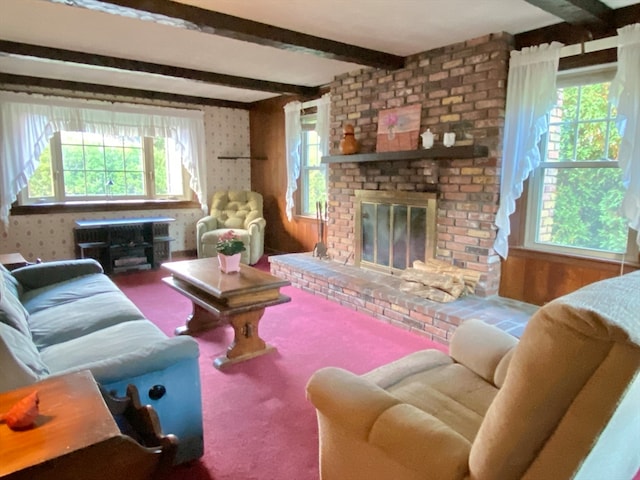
(227, 134)
(50, 237)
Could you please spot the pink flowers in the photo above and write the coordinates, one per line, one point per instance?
(228, 235)
(391, 120)
(229, 244)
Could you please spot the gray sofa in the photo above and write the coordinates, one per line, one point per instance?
(65, 316)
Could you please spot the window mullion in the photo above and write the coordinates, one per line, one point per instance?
(57, 168)
(147, 152)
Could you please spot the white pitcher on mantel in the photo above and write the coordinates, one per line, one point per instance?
(427, 139)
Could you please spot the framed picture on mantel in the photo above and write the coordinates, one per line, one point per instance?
(398, 128)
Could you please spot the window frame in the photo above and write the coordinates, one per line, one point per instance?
(60, 198)
(535, 187)
(308, 123)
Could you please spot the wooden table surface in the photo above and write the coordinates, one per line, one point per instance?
(73, 415)
(12, 260)
(205, 274)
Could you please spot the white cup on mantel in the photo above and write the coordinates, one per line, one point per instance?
(449, 139)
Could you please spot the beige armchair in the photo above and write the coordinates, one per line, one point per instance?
(240, 211)
(562, 403)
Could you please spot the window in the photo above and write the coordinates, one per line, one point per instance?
(576, 191)
(313, 174)
(81, 166)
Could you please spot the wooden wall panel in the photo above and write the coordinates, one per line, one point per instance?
(538, 278)
(269, 177)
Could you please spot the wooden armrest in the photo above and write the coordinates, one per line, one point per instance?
(141, 422)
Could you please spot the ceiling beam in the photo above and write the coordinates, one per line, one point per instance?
(82, 58)
(570, 34)
(208, 21)
(7, 79)
(577, 12)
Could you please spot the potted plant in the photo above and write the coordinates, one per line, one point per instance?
(229, 248)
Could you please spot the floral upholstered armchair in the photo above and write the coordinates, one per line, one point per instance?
(240, 211)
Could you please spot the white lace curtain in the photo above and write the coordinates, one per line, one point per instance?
(293, 135)
(625, 95)
(531, 93)
(27, 122)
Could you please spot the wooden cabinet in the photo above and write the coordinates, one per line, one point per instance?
(77, 436)
(122, 244)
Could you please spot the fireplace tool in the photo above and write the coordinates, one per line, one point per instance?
(320, 249)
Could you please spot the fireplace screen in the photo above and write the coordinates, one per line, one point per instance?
(394, 228)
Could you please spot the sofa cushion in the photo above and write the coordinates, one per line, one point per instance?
(70, 320)
(430, 381)
(481, 348)
(69, 291)
(20, 361)
(238, 196)
(12, 312)
(120, 351)
(47, 273)
(234, 222)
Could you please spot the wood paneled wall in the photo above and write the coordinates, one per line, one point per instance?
(269, 177)
(538, 278)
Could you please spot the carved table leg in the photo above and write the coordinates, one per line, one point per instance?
(199, 321)
(246, 342)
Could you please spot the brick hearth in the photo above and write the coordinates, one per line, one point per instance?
(378, 295)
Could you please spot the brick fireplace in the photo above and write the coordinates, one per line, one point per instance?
(462, 88)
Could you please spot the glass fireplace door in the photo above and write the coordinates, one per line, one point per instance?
(394, 231)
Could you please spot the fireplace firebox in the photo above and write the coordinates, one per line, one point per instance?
(394, 228)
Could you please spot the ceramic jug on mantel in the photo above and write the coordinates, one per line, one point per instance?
(427, 139)
(348, 144)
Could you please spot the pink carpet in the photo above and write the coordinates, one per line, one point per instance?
(257, 423)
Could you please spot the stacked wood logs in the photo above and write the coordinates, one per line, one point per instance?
(439, 281)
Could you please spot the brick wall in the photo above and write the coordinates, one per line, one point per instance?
(462, 88)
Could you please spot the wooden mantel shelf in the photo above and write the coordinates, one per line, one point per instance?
(438, 152)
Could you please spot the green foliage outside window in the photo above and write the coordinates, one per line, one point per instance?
(41, 183)
(160, 166)
(105, 166)
(586, 209)
(313, 175)
(583, 202)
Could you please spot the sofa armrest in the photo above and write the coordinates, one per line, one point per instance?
(481, 347)
(154, 357)
(337, 394)
(256, 225)
(206, 224)
(411, 437)
(47, 273)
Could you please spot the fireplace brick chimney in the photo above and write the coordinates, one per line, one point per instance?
(462, 88)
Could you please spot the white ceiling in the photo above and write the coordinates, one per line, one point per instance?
(400, 27)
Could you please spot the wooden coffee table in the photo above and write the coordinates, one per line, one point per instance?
(220, 298)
